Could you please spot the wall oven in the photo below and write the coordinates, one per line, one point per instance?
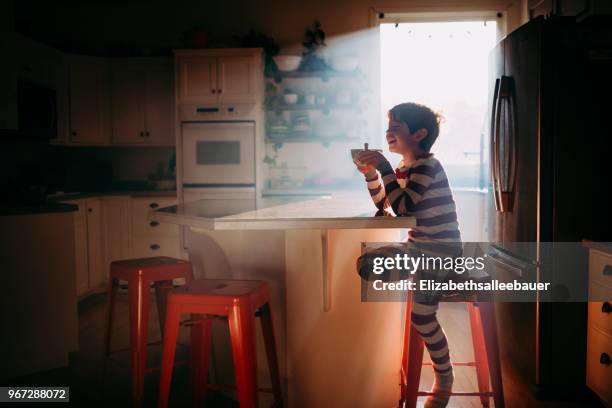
(218, 154)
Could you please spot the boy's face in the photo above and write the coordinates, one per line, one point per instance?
(399, 138)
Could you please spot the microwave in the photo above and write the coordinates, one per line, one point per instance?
(37, 111)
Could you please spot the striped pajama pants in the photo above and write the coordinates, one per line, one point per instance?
(425, 321)
(424, 306)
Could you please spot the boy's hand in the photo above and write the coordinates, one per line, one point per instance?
(371, 158)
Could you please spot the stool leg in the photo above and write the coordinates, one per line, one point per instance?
(169, 347)
(415, 363)
(405, 351)
(113, 285)
(241, 328)
(487, 316)
(139, 318)
(268, 335)
(480, 353)
(161, 295)
(201, 336)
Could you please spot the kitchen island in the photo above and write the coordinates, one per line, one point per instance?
(334, 350)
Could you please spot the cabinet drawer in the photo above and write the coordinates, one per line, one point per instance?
(600, 315)
(600, 269)
(599, 369)
(142, 225)
(156, 246)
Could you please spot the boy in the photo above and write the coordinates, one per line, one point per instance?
(419, 188)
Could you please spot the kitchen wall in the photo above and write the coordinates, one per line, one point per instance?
(116, 26)
(152, 28)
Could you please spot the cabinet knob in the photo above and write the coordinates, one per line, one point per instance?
(142, 134)
(74, 133)
(605, 359)
(154, 247)
(147, 134)
(606, 307)
(153, 205)
(219, 90)
(154, 223)
(90, 210)
(213, 91)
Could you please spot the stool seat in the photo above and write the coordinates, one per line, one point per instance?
(156, 268)
(240, 301)
(140, 274)
(222, 292)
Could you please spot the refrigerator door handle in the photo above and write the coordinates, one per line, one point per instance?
(494, 141)
(506, 165)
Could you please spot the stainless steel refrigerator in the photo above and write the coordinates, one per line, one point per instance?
(550, 161)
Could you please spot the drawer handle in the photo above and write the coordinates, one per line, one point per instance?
(154, 247)
(153, 205)
(607, 270)
(154, 223)
(606, 307)
(605, 359)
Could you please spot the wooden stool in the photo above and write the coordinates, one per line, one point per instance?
(486, 354)
(139, 274)
(239, 301)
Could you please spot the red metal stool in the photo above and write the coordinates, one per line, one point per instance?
(239, 301)
(140, 274)
(486, 353)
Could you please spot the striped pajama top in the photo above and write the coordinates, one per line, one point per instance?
(422, 191)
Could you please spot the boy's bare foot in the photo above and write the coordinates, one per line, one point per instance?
(443, 385)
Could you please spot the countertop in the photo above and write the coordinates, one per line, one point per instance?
(598, 246)
(343, 211)
(38, 209)
(130, 193)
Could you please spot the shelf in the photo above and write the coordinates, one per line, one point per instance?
(324, 75)
(311, 139)
(304, 107)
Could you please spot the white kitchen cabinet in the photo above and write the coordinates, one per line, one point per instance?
(80, 248)
(115, 230)
(89, 100)
(151, 238)
(197, 76)
(221, 75)
(142, 102)
(159, 103)
(89, 253)
(236, 79)
(95, 249)
(599, 331)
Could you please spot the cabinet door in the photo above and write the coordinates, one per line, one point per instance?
(197, 78)
(236, 79)
(89, 101)
(95, 252)
(116, 225)
(159, 104)
(128, 103)
(80, 247)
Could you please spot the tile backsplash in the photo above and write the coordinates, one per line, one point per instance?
(84, 169)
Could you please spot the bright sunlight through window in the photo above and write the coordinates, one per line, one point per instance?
(444, 65)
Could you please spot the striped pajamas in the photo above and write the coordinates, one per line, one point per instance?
(422, 191)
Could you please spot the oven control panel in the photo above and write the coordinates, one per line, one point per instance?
(236, 111)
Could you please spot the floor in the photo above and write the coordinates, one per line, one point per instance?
(84, 376)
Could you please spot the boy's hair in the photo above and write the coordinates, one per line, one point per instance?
(418, 116)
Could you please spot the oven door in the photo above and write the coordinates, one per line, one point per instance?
(218, 154)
